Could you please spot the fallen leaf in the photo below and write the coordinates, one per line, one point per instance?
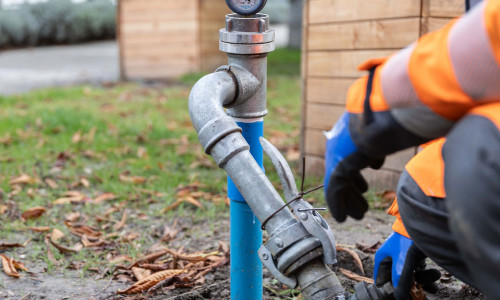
(149, 281)
(3, 209)
(77, 137)
(23, 179)
(140, 273)
(50, 255)
(355, 256)
(8, 266)
(142, 152)
(64, 249)
(72, 217)
(89, 242)
(369, 249)
(150, 257)
(121, 258)
(104, 197)
(81, 230)
(6, 245)
(121, 224)
(354, 276)
(51, 183)
(56, 235)
(85, 182)
(133, 179)
(33, 213)
(40, 228)
(193, 201)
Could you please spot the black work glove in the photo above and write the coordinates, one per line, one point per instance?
(404, 270)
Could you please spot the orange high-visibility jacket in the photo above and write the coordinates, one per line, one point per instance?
(427, 167)
(434, 82)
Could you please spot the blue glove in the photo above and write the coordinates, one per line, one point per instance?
(344, 184)
(399, 261)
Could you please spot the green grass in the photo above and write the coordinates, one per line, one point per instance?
(96, 134)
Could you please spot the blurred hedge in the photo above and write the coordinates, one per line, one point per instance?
(57, 22)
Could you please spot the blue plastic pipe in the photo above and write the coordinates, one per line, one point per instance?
(245, 232)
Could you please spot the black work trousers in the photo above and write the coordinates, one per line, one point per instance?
(462, 232)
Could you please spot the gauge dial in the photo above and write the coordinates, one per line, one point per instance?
(246, 7)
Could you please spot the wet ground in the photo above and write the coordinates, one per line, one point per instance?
(73, 285)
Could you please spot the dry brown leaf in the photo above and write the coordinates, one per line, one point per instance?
(85, 182)
(72, 217)
(155, 267)
(89, 242)
(355, 256)
(33, 213)
(51, 183)
(6, 245)
(122, 222)
(121, 258)
(140, 273)
(56, 235)
(23, 179)
(151, 280)
(81, 230)
(77, 137)
(104, 197)
(354, 276)
(142, 152)
(172, 206)
(150, 257)
(63, 249)
(50, 255)
(40, 228)
(133, 179)
(91, 135)
(3, 209)
(70, 199)
(9, 267)
(193, 201)
(169, 233)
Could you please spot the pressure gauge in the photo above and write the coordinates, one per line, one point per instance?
(246, 7)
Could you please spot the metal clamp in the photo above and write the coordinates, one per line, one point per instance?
(268, 262)
(307, 215)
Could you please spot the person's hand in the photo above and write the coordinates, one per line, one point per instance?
(344, 184)
(400, 262)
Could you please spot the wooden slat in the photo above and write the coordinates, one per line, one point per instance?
(164, 27)
(377, 179)
(159, 40)
(321, 116)
(328, 90)
(385, 34)
(155, 15)
(340, 63)
(314, 142)
(315, 165)
(381, 179)
(433, 24)
(327, 11)
(443, 8)
(161, 5)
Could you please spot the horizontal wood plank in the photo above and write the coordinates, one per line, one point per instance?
(384, 34)
(322, 116)
(327, 90)
(432, 24)
(314, 142)
(382, 179)
(164, 27)
(443, 8)
(327, 11)
(165, 5)
(340, 63)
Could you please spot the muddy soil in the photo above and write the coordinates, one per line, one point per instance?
(195, 236)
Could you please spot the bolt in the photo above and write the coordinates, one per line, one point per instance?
(265, 256)
(279, 243)
(303, 216)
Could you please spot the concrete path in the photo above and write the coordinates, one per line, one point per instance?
(28, 69)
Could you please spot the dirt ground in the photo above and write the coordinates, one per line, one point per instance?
(72, 285)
